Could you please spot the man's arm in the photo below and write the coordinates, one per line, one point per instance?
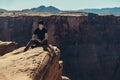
(46, 37)
(33, 37)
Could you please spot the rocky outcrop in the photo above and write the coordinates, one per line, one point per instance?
(89, 43)
(35, 64)
(6, 47)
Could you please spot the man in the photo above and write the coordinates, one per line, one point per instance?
(39, 37)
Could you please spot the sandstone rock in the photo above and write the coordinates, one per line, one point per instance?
(35, 64)
(6, 47)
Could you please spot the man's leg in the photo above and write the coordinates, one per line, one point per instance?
(45, 42)
(46, 46)
(28, 45)
(35, 44)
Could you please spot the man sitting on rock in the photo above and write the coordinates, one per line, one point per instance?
(39, 37)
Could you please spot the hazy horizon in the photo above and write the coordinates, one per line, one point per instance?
(62, 5)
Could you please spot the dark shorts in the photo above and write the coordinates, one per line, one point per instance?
(37, 43)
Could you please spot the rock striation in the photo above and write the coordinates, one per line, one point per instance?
(6, 47)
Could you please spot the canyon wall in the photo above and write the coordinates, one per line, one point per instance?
(89, 44)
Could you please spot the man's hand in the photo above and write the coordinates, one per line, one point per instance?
(33, 37)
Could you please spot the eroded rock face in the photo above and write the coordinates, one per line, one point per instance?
(35, 64)
(6, 47)
(90, 44)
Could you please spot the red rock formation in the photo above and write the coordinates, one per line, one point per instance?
(6, 47)
(89, 43)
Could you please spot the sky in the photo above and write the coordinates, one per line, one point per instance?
(61, 4)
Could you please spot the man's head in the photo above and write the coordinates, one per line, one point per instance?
(41, 24)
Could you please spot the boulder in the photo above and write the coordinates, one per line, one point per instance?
(34, 64)
(6, 47)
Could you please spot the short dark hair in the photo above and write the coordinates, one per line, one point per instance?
(41, 22)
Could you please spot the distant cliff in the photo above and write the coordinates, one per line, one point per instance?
(1, 10)
(114, 11)
(43, 9)
(89, 43)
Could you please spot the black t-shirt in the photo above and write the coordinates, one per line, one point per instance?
(40, 33)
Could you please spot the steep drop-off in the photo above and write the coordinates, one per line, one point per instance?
(89, 43)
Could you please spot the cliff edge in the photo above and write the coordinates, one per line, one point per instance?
(35, 64)
(6, 47)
